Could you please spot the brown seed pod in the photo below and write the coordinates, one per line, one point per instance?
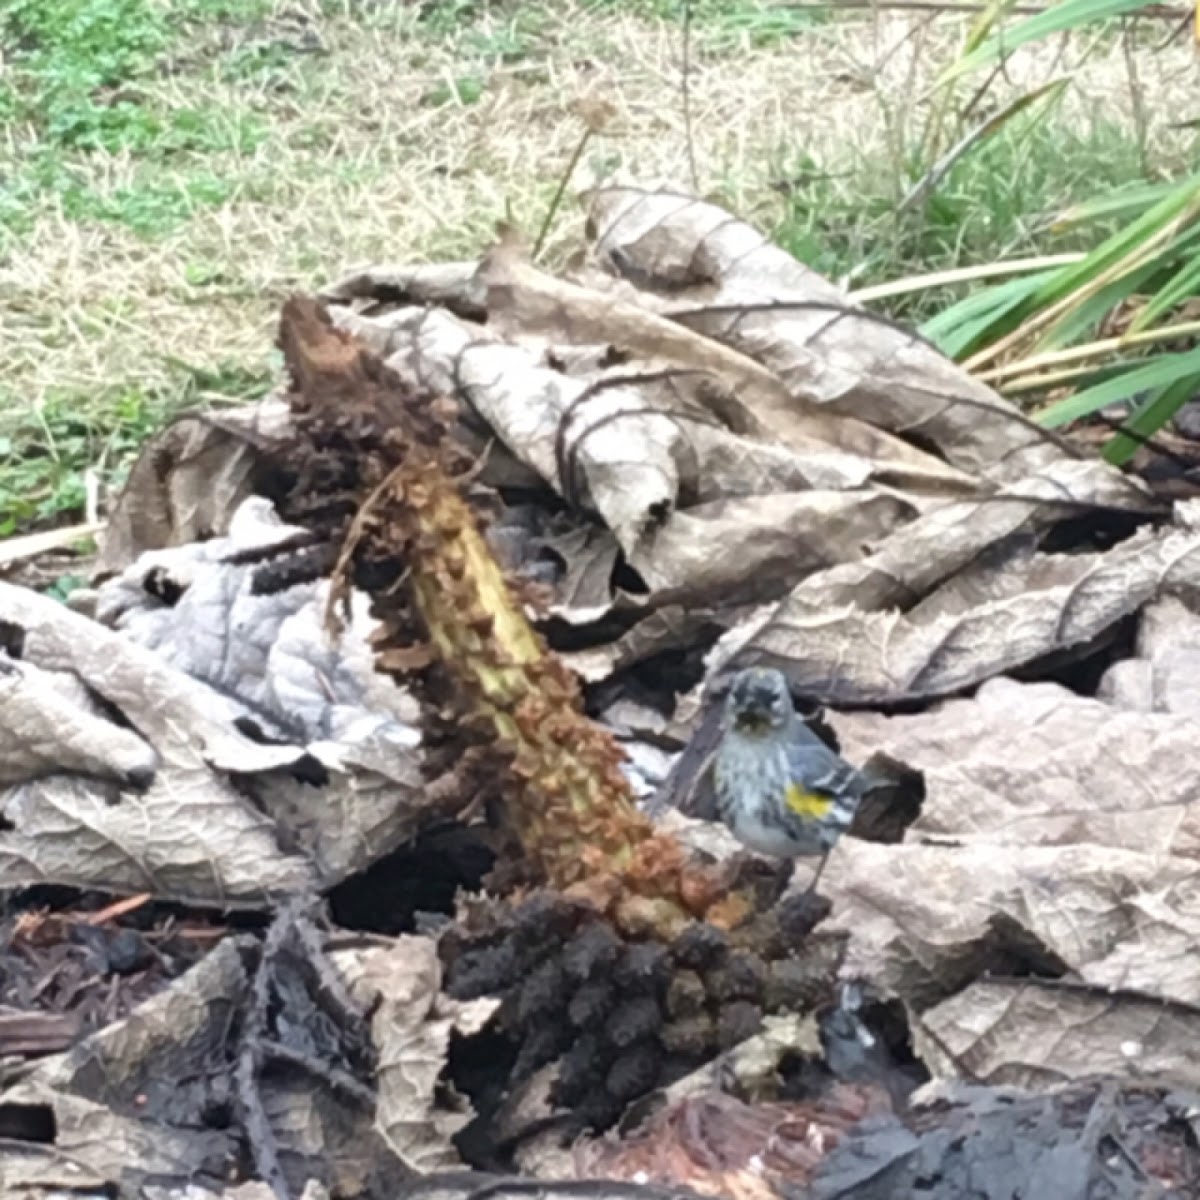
(685, 994)
(737, 1022)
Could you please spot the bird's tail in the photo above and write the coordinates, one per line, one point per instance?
(892, 796)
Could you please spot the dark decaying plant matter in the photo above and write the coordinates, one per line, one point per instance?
(516, 955)
(379, 471)
(378, 474)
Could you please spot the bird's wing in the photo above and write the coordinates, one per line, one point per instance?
(825, 773)
(688, 786)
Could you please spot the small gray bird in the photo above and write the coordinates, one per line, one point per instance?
(777, 787)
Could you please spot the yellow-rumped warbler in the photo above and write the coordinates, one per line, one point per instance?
(778, 788)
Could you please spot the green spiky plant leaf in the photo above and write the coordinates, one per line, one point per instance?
(1058, 18)
(1050, 318)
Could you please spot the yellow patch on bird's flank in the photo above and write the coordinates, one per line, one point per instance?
(806, 804)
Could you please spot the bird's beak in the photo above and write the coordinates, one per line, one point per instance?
(751, 721)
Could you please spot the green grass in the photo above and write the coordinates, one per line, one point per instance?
(510, 32)
(42, 458)
(77, 91)
(997, 202)
(75, 87)
(44, 454)
(172, 168)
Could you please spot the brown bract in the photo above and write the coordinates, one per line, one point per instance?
(377, 469)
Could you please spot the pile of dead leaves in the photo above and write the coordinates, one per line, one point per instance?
(704, 457)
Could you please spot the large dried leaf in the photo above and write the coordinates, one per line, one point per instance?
(751, 398)
(699, 510)
(947, 547)
(1032, 1033)
(412, 1023)
(1035, 765)
(927, 919)
(128, 1104)
(222, 693)
(729, 283)
(50, 727)
(750, 437)
(176, 713)
(1006, 614)
(173, 740)
(742, 550)
(187, 483)
(188, 838)
(1058, 839)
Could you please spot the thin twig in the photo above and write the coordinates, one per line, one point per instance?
(334, 1078)
(260, 1137)
(1137, 101)
(560, 191)
(349, 1013)
(339, 579)
(981, 132)
(1146, 440)
(687, 95)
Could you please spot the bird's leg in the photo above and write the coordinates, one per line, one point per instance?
(812, 887)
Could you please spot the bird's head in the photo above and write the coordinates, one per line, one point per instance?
(759, 701)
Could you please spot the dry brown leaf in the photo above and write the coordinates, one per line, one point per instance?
(78, 829)
(524, 301)
(51, 727)
(744, 550)
(411, 1026)
(928, 919)
(1024, 765)
(156, 1060)
(948, 543)
(728, 282)
(1025, 611)
(698, 510)
(210, 717)
(1059, 838)
(1033, 1033)
(187, 482)
(589, 556)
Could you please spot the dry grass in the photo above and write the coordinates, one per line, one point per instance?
(365, 152)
